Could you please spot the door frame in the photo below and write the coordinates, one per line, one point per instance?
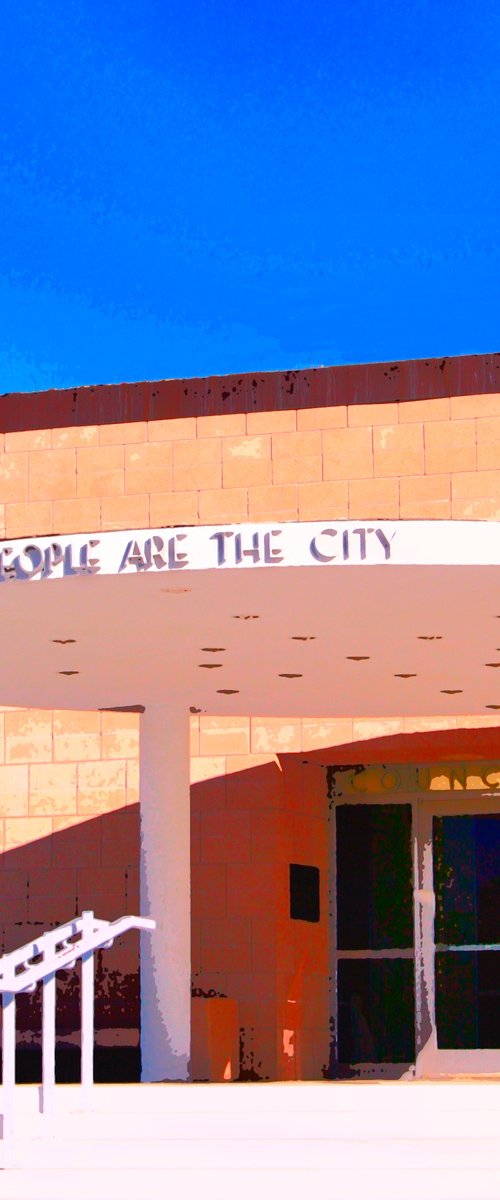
(430, 1061)
(365, 1070)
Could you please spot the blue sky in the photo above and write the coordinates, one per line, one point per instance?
(207, 187)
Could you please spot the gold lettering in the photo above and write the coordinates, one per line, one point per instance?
(493, 783)
(391, 781)
(458, 775)
(355, 785)
(423, 783)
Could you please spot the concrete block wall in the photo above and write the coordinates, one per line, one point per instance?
(69, 836)
(178, 453)
(69, 827)
(69, 832)
(63, 771)
(249, 823)
(259, 803)
(426, 459)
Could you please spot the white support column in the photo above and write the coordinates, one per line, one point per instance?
(165, 894)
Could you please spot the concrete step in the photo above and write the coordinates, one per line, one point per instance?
(245, 1182)
(396, 1141)
(411, 1097)
(271, 1152)
(297, 1124)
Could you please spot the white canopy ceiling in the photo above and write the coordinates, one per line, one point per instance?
(375, 638)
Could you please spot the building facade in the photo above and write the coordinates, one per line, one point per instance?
(250, 688)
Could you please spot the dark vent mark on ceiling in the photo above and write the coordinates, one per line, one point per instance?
(132, 708)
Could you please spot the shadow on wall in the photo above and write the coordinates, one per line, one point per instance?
(249, 944)
(92, 864)
(259, 959)
(247, 828)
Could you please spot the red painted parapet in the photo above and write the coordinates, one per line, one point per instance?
(362, 383)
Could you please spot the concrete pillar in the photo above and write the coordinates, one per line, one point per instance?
(165, 894)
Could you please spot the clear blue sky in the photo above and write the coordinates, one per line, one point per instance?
(207, 187)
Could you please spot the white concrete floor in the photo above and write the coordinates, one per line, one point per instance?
(343, 1141)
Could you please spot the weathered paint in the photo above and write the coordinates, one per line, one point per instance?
(364, 383)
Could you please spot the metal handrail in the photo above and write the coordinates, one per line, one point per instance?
(21, 970)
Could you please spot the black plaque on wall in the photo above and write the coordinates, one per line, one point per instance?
(304, 893)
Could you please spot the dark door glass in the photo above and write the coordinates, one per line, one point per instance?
(466, 858)
(374, 877)
(466, 854)
(468, 1000)
(376, 1007)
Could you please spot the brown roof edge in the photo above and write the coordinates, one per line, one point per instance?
(315, 387)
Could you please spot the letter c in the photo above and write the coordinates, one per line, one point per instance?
(317, 554)
(354, 785)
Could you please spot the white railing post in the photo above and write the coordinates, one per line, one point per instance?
(22, 970)
(87, 1017)
(48, 1043)
(8, 1072)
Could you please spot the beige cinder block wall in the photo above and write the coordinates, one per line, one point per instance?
(425, 459)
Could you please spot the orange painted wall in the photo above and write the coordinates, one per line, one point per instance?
(248, 826)
(259, 802)
(70, 830)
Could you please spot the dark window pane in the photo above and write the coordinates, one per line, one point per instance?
(374, 877)
(468, 1000)
(376, 1010)
(304, 893)
(466, 854)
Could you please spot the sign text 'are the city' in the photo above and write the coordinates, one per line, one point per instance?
(195, 548)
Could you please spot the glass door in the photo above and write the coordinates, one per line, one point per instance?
(373, 940)
(458, 955)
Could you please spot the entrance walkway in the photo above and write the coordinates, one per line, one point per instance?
(344, 1141)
